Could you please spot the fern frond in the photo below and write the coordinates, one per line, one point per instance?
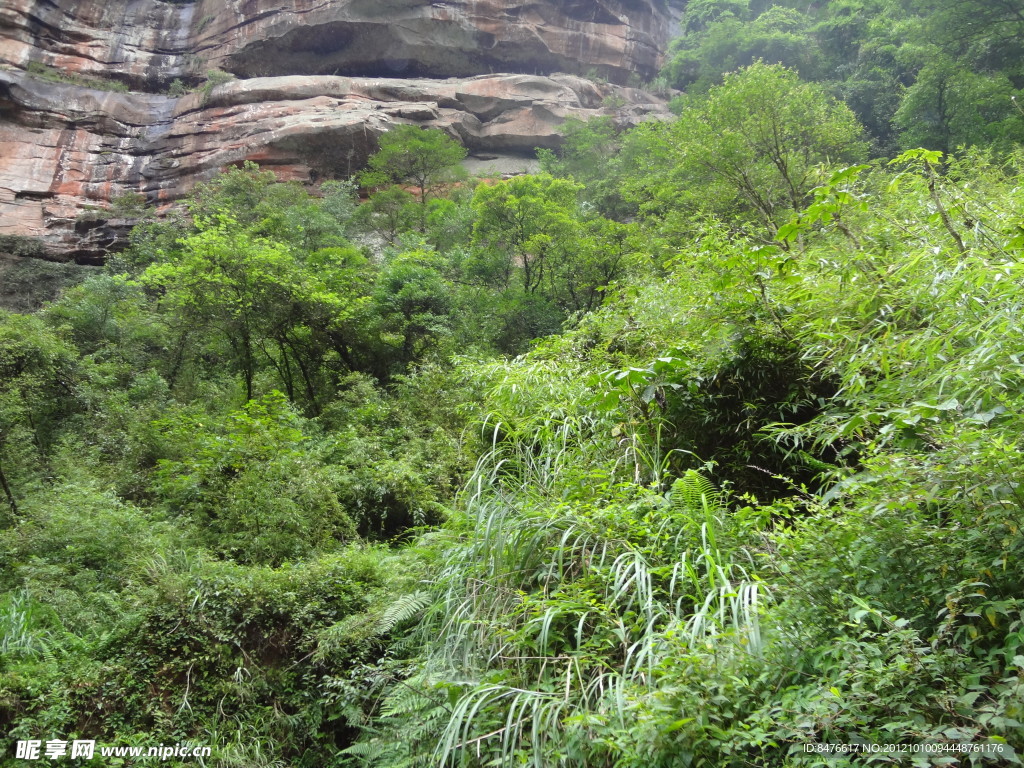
(694, 492)
(402, 610)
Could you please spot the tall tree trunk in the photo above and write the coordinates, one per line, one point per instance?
(7, 491)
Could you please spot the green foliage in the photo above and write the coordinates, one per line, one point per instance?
(535, 226)
(28, 284)
(207, 647)
(214, 78)
(425, 158)
(587, 616)
(752, 146)
(756, 489)
(21, 245)
(526, 219)
(52, 74)
(177, 88)
(932, 74)
(397, 454)
(389, 213)
(449, 220)
(21, 635)
(129, 205)
(175, 554)
(36, 373)
(262, 298)
(724, 36)
(250, 487)
(950, 105)
(279, 211)
(412, 301)
(591, 155)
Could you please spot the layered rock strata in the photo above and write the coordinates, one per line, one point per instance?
(68, 149)
(147, 43)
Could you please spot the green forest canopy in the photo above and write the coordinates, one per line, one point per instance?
(933, 73)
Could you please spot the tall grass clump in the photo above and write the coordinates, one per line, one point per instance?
(566, 589)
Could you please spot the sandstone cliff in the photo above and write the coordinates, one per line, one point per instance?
(319, 80)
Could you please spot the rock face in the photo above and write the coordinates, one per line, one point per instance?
(321, 79)
(435, 38)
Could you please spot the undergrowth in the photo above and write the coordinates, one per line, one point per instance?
(601, 602)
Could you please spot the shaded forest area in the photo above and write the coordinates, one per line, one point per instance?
(698, 447)
(932, 73)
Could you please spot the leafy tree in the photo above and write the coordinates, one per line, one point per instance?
(531, 222)
(988, 31)
(752, 145)
(240, 190)
(722, 37)
(226, 281)
(248, 484)
(895, 63)
(536, 245)
(107, 316)
(37, 370)
(388, 213)
(450, 221)
(949, 105)
(701, 13)
(282, 211)
(591, 154)
(426, 158)
(253, 292)
(412, 301)
(606, 252)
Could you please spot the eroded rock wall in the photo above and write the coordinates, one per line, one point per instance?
(144, 43)
(433, 38)
(320, 81)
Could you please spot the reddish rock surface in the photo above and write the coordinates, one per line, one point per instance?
(321, 79)
(433, 38)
